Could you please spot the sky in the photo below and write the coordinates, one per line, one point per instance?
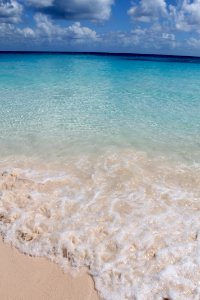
(140, 26)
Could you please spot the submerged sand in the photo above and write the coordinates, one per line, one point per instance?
(24, 277)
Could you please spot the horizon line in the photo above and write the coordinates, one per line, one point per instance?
(96, 53)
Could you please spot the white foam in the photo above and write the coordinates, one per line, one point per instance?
(133, 222)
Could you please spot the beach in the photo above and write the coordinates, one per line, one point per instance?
(100, 171)
(24, 277)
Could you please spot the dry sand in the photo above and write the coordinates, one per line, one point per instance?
(27, 278)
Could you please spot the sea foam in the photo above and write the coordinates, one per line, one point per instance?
(131, 220)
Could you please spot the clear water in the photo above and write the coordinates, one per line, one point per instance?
(56, 103)
(99, 161)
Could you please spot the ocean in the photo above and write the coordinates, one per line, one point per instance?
(100, 168)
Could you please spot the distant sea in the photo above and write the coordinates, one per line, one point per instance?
(100, 167)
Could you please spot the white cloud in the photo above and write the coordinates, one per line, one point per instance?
(10, 11)
(159, 30)
(47, 31)
(150, 39)
(148, 10)
(76, 31)
(187, 17)
(75, 9)
(6, 30)
(168, 36)
(45, 27)
(27, 32)
(194, 43)
(184, 16)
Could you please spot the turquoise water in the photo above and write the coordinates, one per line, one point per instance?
(99, 168)
(60, 103)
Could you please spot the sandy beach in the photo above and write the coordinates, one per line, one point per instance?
(24, 277)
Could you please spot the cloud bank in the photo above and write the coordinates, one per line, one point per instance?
(153, 24)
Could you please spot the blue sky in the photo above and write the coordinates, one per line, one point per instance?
(142, 26)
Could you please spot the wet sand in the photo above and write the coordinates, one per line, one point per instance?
(24, 277)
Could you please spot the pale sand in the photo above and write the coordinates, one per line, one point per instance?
(27, 278)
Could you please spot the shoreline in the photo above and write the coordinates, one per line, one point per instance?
(25, 277)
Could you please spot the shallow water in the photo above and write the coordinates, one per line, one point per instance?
(99, 164)
(58, 104)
